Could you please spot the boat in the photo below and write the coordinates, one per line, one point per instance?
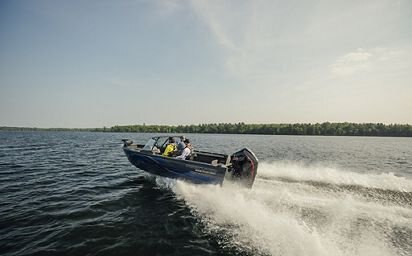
(200, 167)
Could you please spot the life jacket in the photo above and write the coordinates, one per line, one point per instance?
(170, 148)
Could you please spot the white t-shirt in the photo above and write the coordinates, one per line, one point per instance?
(184, 154)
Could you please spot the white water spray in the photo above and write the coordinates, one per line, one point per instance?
(331, 175)
(294, 217)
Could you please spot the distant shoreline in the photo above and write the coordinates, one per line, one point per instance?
(317, 129)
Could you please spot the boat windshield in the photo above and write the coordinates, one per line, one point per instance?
(156, 142)
(150, 144)
(162, 142)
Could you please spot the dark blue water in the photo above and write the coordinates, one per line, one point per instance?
(68, 193)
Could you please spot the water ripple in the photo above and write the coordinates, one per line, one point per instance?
(67, 193)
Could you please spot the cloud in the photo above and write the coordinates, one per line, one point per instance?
(364, 60)
(352, 62)
(211, 16)
(166, 8)
(245, 32)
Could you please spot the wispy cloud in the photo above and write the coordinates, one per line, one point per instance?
(245, 33)
(211, 15)
(364, 60)
(352, 62)
(295, 54)
(165, 8)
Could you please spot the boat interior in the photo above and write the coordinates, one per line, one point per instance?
(157, 145)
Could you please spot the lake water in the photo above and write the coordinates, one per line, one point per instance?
(75, 193)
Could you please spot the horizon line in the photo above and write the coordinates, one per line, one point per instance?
(217, 123)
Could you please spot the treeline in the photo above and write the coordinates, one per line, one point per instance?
(35, 129)
(328, 129)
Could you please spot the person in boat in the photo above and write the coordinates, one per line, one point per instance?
(186, 151)
(180, 146)
(170, 148)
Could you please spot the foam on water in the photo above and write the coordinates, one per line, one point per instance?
(297, 218)
(332, 175)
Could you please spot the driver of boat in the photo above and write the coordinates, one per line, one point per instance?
(186, 151)
(170, 148)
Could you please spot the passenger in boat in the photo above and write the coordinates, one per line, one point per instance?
(186, 151)
(170, 148)
(180, 146)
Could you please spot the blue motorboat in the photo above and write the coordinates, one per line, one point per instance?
(199, 167)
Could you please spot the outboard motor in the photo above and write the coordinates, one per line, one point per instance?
(244, 167)
(127, 142)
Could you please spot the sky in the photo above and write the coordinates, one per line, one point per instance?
(105, 63)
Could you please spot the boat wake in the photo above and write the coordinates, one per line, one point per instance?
(298, 172)
(306, 210)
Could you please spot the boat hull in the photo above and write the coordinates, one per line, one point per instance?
(195, 172)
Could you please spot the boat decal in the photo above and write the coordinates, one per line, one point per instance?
(205, 171)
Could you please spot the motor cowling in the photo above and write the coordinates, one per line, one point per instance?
(244, 167)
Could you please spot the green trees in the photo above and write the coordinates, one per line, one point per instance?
(328, 129)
